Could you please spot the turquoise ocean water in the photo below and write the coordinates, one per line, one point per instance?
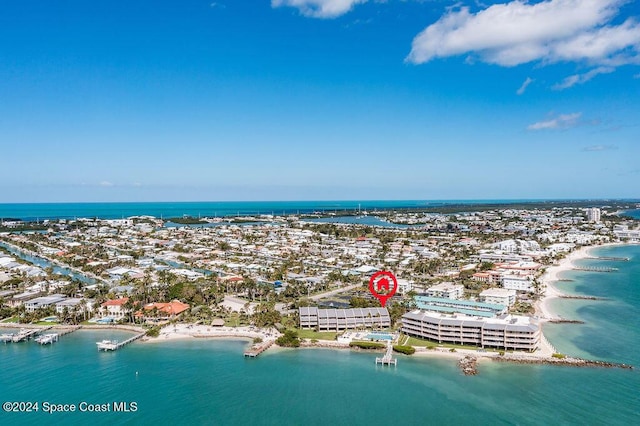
(40, 211)
(210, 382)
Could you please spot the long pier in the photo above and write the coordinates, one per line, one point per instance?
(257, 349)
(387, 359)
(69, 330)
(594, 269)
(129, 340)
(616, 259)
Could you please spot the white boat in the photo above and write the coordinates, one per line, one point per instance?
(107, 345)
(6, 337)
(47, 338)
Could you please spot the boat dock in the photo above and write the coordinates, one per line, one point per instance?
(387, 359)
(258, 348)
(27, 334)
(108, 345)
(594, 269)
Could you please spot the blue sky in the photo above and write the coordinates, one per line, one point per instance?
(318, 99)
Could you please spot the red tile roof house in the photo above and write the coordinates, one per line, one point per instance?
(156, 312)
(114, 308)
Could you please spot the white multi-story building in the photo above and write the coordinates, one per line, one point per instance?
(343, 319)
(623, 231)
(507, 332)
(518, 282)
(76, 303)
(500, 296)
(404, 285)
(446, 290)
(43, 302)
(114, 308)
(593, 215)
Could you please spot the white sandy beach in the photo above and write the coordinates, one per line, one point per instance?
(552, 275)
(186, 331)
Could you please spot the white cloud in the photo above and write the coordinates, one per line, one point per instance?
(106, 184)
(572, 80)
(562, 121)
(319, 8)
(596, 148)
(517, 32)
(524, 86)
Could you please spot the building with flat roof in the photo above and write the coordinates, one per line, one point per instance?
(446, 290)
(507, 332)
(75, 302)
(343, 319)
(499, 296)
(451, 306)
(43, 302)
(518, 283)
(593, 215)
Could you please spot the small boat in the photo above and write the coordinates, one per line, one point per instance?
(107, 345)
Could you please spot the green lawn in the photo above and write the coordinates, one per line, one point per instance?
(317, 335)
(414, 341)
(12, 319)
(233, 320)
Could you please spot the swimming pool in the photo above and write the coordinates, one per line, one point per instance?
(379, 336)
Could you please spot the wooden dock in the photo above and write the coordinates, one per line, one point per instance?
(387, 359)
(258, 348)
(131, 339)
(69, 330)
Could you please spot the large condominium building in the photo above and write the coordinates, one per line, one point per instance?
(343, 319)
(593, 215)
(507, 332)
(451, 306)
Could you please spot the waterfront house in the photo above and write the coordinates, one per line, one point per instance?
(155, 312)
(43, 302)
(114, 308)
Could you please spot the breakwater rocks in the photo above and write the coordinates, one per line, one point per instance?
(565, 321)
(468, 365)
(572, 362)
(582, 297)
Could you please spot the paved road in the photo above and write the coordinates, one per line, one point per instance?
(334, 292)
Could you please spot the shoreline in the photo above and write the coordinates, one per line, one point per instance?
(552, 276)
(189, 331)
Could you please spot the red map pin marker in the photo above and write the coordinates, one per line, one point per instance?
(383, 285)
